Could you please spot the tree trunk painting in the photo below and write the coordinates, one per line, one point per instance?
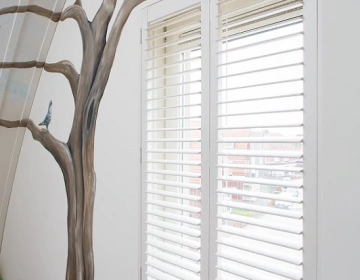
(76, 157)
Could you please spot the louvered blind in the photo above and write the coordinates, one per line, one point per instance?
(260, 136)
(173, 147)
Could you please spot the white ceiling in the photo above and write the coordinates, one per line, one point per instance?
(23, 37)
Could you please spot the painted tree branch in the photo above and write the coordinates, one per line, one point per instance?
(57, 148)
(100, 25)
(75, 139)
(55, 17)
(66, 68)
(22, 65)
(108, 56)
(77, 13)
(60, 151)
(78, 2)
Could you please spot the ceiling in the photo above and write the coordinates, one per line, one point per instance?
(23, 37)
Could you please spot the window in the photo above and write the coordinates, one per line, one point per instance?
(256, 115)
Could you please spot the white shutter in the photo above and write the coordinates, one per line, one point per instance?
(173, 146)
(259, 143)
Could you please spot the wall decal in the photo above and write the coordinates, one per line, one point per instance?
(47, 119)
(76, 157)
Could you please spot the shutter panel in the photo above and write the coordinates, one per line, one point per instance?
(259, 143)
(173, 146)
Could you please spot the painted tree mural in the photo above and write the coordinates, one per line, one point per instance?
(76, 157)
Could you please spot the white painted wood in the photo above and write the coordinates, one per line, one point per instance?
(310, 139)
(168, 7)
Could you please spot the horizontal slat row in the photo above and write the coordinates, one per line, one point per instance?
(298, 183)
(174, 173)
(262, 223)
(174, 184)
(175, 260)
(176, 239)
(260, 250)
(172, 270)
(270, 239)
(263, 265)
(174, 217)
(175, 228)
(270, 167)
(275, 197)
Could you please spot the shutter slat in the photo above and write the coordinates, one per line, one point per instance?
(257, 249)
(172, 271)
(176, 19)
(174, 173)
(159, 275)
(174, 238)
(261, 153)
(168, 65)
(263, 265)
(260, 195)
(262, 70)
(173, 184)
(174, 31)
(298, 183)
(263, 167)
(173, 96)
(174, 140)
(262, 98)
(174, 261)
(261, 223)
(259, 57)
(244, 272)
(173, 118)
(262, 140)
(173, 129)
(263, 14)
(170, 54)
(175, 162)
(274, 240)
(260, 84)
(254, 9)
(174, 85)
(262, 209)
(277, 125)
(265, 112)
(194, 37)
(296, 34)
(171, 151)
(175, 228)
(174, 250)
(173, 75)
(174, 217)
(176, 206)
(173, 107)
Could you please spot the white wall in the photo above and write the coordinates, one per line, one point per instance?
(35, 238)
(339, 140)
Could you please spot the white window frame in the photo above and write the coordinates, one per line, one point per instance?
(156, 9)
(310, 226)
